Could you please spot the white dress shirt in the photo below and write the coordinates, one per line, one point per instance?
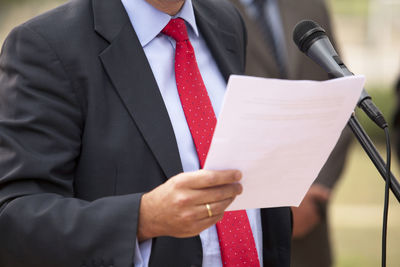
(160, 52)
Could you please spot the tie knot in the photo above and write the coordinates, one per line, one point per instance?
(176, 29)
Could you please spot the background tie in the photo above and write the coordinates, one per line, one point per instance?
(267, 15)
(234, 233)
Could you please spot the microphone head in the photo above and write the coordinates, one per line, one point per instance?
(306, 32)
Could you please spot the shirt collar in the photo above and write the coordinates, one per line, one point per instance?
(148, 21)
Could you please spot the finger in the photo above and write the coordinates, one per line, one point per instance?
(199, 226)
(323, 196)
(215, 194)
(205, 178)
(319, 192)
(203, 220)
(216, 209)
(210, 221)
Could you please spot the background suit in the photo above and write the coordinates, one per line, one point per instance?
(314, 249)
(84, 132)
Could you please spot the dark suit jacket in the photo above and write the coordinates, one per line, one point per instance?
(84, 132)
(314, 249)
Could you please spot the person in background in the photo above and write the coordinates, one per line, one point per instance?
(272, 53)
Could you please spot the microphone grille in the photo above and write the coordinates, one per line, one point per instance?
(306, 32)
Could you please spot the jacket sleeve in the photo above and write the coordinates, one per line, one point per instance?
(41, 123)
(334, 166)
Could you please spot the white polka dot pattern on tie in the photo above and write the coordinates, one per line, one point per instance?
(236, 237)
(192, 92)
(234, 233)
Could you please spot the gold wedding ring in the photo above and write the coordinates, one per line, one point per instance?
(209, 210)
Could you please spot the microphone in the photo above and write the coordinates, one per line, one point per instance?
(312, 40)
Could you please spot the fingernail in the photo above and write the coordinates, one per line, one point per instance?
(238, 175)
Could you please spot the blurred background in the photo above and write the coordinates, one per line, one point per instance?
(368, 32)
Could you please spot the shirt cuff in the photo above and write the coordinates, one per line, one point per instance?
(142, 253)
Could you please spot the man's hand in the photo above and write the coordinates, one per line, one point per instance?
(307, 215)
(178, 207)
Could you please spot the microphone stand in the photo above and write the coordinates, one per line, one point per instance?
(373, 154)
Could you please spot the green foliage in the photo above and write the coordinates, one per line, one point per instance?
(8, 2)
(350, 7)
(356, 214)
(361, 246)
(385, 99)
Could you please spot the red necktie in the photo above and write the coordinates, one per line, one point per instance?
(234, 233)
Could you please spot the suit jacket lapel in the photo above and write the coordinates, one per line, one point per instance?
(127, 66)
(221, 42)
(167, 251)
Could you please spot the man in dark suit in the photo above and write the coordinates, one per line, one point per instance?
(272, 53)
(97, 163)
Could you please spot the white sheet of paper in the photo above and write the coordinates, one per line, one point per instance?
(279, 133)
